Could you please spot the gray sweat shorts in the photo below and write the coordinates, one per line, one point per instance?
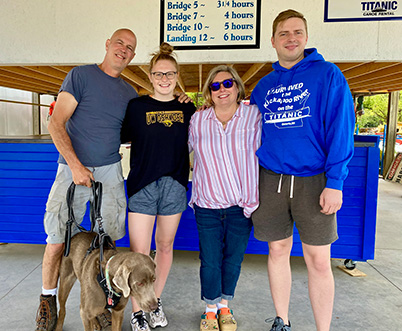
(113, 207)
(277, 213)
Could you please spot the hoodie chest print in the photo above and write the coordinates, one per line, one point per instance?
(286, 106)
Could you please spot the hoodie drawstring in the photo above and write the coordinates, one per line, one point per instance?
(292, 184)
(280, 184)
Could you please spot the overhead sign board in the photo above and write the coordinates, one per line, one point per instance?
(357, 10)
(211, 24)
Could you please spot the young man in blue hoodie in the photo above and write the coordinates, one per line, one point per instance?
(307, 143)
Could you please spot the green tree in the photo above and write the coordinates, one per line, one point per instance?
(376, 111)
(197, 98)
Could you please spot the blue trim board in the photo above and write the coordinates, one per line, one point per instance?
(373, 155)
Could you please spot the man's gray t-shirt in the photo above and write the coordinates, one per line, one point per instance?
(94, 128)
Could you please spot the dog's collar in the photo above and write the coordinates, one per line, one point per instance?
(108, 284)
(112, 298)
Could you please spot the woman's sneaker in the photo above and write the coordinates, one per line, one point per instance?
(279, 325)
(139, 322)
(158, 317)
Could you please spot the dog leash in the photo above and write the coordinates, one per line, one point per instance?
(71, 219)
(102, 239)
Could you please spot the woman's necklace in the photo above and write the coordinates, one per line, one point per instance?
(225, 121)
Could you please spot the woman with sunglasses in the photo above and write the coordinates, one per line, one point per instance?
(224, 138)
(157, 126)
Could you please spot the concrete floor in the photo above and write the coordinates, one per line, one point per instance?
(373, 302)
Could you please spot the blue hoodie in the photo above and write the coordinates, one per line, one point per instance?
(308, 120)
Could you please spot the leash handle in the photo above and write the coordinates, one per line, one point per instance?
(96, 204)
(95, 212)
(102, 239)
(70, 202)
(71, 218)
(67, 239)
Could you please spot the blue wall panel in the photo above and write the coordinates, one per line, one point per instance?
(27, 171)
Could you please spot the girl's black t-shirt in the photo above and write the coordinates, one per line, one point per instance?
(158, 132)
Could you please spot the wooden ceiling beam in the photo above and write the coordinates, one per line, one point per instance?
(26, 80)
(46, 70)
(378, 74)
(142, 91)
(367, 92)
(256, 67)
(344, 66)
(371, 69)
(378, 91)
(129, 75)
(192, 88)
(252, 86)
(381, 80)
(35, 75)
(64, 69)
(181, 84)
(361, 76)
(395, 86)
(25, 87)
(145, 69)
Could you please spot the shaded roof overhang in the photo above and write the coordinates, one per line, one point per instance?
(363, 77)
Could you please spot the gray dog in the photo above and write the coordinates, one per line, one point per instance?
(131, 274)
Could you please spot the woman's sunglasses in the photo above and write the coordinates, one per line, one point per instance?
(227, 83)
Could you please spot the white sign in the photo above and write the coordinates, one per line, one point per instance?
(218, 24)
(357, 10)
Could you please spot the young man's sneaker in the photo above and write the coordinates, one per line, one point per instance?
(209, 322)
(279, 325)
(226, 320)
(139, 322)
(158, 317)
(46, 316)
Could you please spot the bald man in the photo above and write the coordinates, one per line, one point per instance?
(85, 127)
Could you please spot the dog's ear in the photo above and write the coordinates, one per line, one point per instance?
(120, 279)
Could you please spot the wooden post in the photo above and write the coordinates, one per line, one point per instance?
(36, 114)
(392, 121)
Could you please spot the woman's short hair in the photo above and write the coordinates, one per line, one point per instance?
(206, 91)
